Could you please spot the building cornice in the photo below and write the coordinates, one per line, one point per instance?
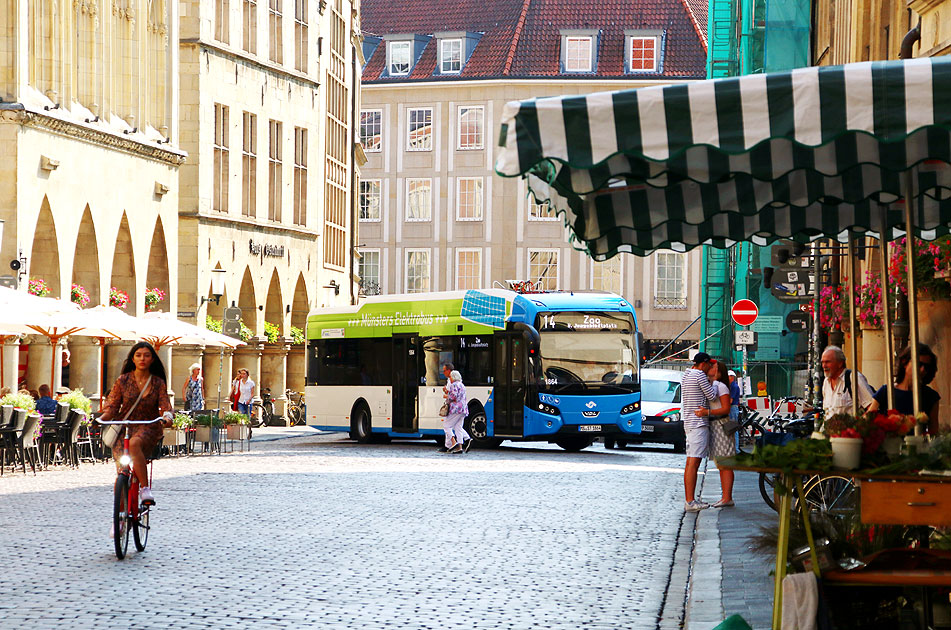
(249, 224)
(264, 66)
(17, 114)
(630, 82)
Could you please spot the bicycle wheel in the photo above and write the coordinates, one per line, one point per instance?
(120, 516)
(832, 496)
(294, 416)
(257, 415)
(267, 413)
(767, 488)
(140, 529)
(748, 432)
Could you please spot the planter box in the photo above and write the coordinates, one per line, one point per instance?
(174, 437)
(237, 432)
(207, 434)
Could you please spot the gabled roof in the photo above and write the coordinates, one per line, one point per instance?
(522, 38)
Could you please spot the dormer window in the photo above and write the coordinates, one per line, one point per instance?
(579, 51)
(398, 61)
(642, 51)
(450, 56)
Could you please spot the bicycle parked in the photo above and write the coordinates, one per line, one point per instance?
(127, 513)
(262, 409)
(296, 408)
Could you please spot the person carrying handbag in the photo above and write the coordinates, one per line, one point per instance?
(721, 443)
(457, 440)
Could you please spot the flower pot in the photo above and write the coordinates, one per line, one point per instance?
(846, 452)
(237, 431)
(207, 434)
(174, 437)
(892, 446)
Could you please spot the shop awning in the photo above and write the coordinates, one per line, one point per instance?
(802, 154)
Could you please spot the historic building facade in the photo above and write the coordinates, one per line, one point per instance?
(268, 95)
(89, 182)
(433, 213)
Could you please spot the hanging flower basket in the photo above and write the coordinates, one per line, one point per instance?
(79, 295)
(38, 287)
(153, 297)
(118, 298)
(929, 259)
(868, 302)
(834, 308)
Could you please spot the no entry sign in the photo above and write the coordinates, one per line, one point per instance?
(744, 312)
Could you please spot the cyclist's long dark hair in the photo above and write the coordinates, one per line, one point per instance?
(156, 369)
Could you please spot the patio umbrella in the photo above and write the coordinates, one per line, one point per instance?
(163, 329)
(820, 151)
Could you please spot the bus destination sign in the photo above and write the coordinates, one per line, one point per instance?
(584, 322)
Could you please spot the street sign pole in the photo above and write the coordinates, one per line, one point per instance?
(744, 313)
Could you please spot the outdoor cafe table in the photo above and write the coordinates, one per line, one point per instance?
(885, 499)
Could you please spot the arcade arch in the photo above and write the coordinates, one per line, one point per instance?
(274, 306)
(44, 257)
(157, 272)
(86, 259)
(123, 265)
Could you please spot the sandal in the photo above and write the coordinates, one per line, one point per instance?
(722, 504)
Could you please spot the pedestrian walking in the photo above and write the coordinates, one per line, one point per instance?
(140, 393)
(457, 440)
(193, 392)
(243, 388)
(695, 391)
(721, 443)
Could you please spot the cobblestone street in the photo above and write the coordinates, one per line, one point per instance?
(318, 532)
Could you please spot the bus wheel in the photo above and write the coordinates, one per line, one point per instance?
(573, 443)
(360, 425)
(476, 426)
(609, 442)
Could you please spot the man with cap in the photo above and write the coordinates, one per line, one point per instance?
(695, 392)
(734, 396)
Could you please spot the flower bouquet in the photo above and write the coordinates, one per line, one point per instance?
(38, 287)
(79, 295)
(153, 297)
(118, 298)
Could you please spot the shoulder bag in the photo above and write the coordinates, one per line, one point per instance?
(111, 432)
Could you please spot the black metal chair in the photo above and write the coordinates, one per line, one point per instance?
(26, 442)
(10, 439)
(53, 426)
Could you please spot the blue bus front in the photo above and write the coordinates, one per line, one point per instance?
(567, 370)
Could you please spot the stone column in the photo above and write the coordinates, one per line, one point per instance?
(210, 361)
(85, 368)
(11, 363)
(116, 352)
(274, 372)
(171, 377)
(39, 358)
(182, 358)
(296, 366)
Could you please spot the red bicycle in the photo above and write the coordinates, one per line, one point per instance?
(127, 514)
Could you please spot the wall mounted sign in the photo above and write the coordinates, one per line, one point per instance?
(265, 250)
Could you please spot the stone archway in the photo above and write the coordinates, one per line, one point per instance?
(157, 273)
(274, 306)
(86, 259)
(247, 302)
(216, 311)
(301, 306)
(123, 265)
(44, 257)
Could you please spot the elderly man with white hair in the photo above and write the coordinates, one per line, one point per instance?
(837, 387)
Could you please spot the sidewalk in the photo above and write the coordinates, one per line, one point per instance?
(269, 434)
(726, 577)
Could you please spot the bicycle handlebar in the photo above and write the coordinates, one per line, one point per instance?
(124, 422)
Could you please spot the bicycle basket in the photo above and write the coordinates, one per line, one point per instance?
(775, 437)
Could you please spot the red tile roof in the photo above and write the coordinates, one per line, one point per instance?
(522, 38)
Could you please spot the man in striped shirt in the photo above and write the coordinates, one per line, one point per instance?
(695, 392)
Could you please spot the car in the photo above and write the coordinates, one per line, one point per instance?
(660, 409)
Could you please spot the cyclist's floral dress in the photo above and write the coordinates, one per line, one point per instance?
(153, 404)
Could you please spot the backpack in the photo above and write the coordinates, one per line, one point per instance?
(848, 383)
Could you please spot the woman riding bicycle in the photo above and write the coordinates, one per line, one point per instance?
(140, 393)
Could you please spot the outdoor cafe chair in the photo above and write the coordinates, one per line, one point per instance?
(10, 441)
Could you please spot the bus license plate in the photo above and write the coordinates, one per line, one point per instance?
(589, 427)
(647, 428)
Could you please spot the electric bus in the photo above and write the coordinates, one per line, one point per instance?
(558, 366)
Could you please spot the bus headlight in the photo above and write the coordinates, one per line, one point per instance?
(550, 410)
(674, 417)
(631, 408)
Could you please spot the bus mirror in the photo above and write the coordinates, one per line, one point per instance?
(531, 336)
(640, 343)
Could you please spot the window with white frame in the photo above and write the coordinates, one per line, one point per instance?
(249, 164)
(249, 26)
(275, 30)
(669, 280)
(543, 268)
(398, 54)
(469, 199)
(417, 270)
(371, 130)
(370, 271)
(540, 211)
(300, 35)
(275, 172)
(300, 176)
(419, 130)
(450, 56)
(222, 20)
(419, 199)
(471, 122)
(222, 158)
(606, 276)
(578, 53)
(642, 54)
(370, 200)
(468, 269)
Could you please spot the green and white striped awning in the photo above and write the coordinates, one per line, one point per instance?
(802, 154)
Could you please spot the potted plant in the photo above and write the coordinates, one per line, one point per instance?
(892, 426)
(868, 302)
(118, 298)
(207, 428)
(38, 287)
(79, 401)
(237, 425)
(833, 309)
(846, 440)
(23, 406)
(79, 295)
(272, 332)
(152, 298)
(297, 335)
(176, 436)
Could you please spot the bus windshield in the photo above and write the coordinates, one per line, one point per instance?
(581, 352)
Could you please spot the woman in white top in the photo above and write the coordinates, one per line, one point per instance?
(243, 386)
(722, 445)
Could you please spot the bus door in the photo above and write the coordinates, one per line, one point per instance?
(509, 378)
(405, 383)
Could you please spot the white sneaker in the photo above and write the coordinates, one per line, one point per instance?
(695, 506)
(145, 496)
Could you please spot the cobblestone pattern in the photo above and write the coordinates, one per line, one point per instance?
(314, 532)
